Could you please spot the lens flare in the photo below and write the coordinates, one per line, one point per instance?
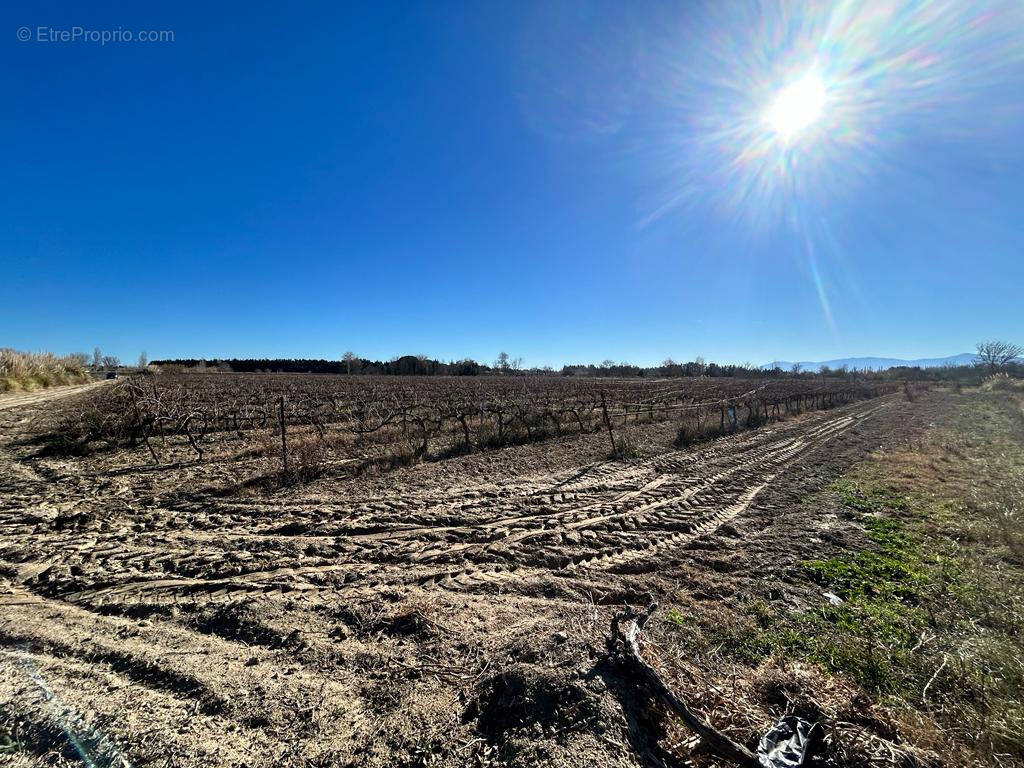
(94, 748)
(791, 107)
(796, 107)
(778, 117)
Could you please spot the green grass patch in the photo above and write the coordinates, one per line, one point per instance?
(884, 588)
(870, 635)
(675, 617)
(868, 497)
(893, 569)
(869, 640)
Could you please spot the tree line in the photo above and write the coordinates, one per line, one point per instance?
(407, 365)
(991, 357)
(420, 365)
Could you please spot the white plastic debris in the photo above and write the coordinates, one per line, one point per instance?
(788, 744)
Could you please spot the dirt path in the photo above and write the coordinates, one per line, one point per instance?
(346, 625)
(24, 399)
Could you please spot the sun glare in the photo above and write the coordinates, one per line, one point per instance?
(797, 106)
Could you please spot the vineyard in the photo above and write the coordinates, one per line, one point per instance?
(316, 570)
(310, 422)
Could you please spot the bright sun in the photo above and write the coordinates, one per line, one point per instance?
(796, 107)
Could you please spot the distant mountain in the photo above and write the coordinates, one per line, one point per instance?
(878, 363)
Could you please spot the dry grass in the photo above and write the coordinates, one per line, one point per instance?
(29, 371)
(1001, 382)
(922, 662)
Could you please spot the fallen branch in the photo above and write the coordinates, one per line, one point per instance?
(719, 744)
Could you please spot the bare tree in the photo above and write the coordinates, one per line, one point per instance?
(502, 363)
(994, 355)
(143, 360)
(795, 368)
(348, 358)
(110, 361)
(97, 357)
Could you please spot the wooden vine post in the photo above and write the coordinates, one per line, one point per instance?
(284, 442)
(607, 421)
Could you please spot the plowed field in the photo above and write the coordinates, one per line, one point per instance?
(448, 613)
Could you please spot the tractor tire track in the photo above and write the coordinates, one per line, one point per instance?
(626, 512)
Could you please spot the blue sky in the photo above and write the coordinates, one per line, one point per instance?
(565, 181)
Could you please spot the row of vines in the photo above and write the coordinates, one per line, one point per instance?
(414, 418)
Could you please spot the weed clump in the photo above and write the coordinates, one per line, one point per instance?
(626, 447)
